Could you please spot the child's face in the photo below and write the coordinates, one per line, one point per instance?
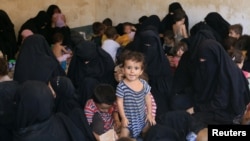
(233, 34)
(103, 107)
(132, 70)
(180, 52)
(127, 29)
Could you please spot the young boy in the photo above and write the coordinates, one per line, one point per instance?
(98, 32)
(169, 41)
(128, 34)
(60, 51)
(235, 31)
(110, 45)
(101, 111)
(175, 55)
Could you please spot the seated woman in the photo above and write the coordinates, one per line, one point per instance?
(7, 109)
(89, 66)
(220, 90)
(57, 23)
(37, 25)
(35, 119)
(36, 61)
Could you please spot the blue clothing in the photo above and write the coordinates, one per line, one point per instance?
(134, 106)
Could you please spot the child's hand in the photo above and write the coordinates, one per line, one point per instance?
(117, 126)
(150, 119)
(125, 122)
(190, 110)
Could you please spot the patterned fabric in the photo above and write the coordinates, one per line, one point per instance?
(134, 106)
(91, 108)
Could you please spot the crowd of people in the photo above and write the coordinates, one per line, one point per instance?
(146, 81)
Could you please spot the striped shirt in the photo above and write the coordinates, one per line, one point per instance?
(134, 106)
(90, 109)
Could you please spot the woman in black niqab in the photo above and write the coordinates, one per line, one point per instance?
(220, 89)
(36, 61)
(35, 120)
(183, 77)
(90, 66)
(37, 24)
(218, 23)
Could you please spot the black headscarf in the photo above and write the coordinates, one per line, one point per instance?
(204, 26)
(8, 43)
(65, 94)
(7, 109)
(172, 126)
(184, 73)
(220, 88)
(168, 20)
(35, 119)
(37, 24)
(99, 66)
(218, 23)
(85, 76)
(51, 9)
(36, 61)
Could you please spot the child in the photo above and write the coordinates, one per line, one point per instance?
(101, 111)
(60, 51)
(128, 34)
(98, 32)
(175, 54)
(179, 27)
(169, 41)
(238, 58)
(235, 31)
(4, 70)
(119, 76)
(110, 45)
(133, 94)
(229, 43)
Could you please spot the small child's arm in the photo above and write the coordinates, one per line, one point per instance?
(125, 121)
(150, 118)
(117, 122)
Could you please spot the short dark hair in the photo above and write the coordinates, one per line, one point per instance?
(97, 27)
(110, 32)
(4, 66)
(135, 56)
(58, 37)
(104, 93)
(107, 22)
(179, 45)
(229, 42)
(169, 34)
(237, 28)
